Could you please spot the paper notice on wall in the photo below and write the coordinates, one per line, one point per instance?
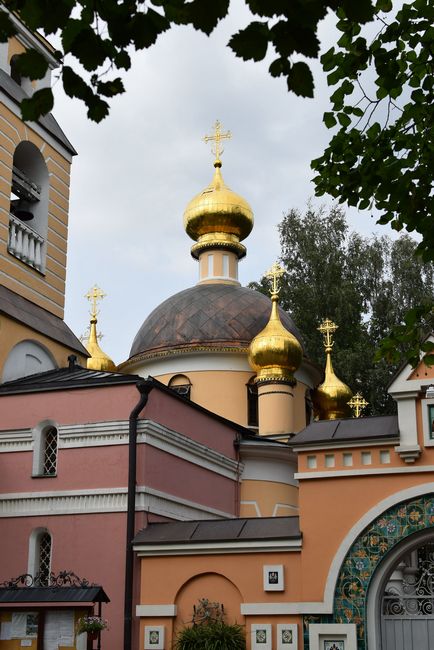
(26, 643)
(6, 631)
(19, 623)
(59, 629)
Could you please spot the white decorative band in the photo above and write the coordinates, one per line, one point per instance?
(282, 609)
(17, 440)
(156, 610)
(218, 548)
(102, 501)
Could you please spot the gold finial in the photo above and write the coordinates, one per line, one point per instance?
(218, 136)
(327, 329)
(358, 403)
(94, 295)
(274, 274)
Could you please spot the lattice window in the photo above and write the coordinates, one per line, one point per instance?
(181, 385)
(50, 452)
(252, 405)
(44, 558)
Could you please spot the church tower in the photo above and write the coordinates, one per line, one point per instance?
(35, 158)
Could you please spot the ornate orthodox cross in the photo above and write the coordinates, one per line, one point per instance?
(274, 274)
(358, 403)
(94, 295)
(218, 136)
(327, 329)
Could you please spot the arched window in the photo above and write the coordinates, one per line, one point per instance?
(45, 437)
(40, 552)
(252, 404)
(28, 223)
(181, 385)
(27, 358)
(15, 74)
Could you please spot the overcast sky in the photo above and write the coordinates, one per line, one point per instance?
(137, 170)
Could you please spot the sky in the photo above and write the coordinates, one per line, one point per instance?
(136, 171)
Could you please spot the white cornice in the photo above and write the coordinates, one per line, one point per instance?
(156, 611)
(16, 440)
(365, 472)
(103, 500)
(219, 548)
(346, 444)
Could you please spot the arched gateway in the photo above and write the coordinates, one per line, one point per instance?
(386, 582)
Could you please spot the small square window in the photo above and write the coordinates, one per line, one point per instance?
(311, 462)
(366, 458)
(347, 459)
(384, 456)
(431, 421)
(329, 460)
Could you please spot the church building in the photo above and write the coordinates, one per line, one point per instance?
(217, 463)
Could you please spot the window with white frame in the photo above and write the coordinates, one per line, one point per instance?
(45, 449)
(40, 552)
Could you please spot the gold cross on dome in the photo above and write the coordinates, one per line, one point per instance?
(274, 274)
(218, 136)
(358, 403)
(94, 295)
(327, 329)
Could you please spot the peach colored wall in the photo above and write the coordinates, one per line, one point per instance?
(276, 407)
(222, 392)
(229, 579)
(268, 499)
(225, 393)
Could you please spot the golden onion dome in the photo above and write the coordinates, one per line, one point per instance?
(218, 217)
(332, 396)
(98, 359)
(274, 353)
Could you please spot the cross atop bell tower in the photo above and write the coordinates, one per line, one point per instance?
(218, 136)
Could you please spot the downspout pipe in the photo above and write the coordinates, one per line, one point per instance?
(144, 387)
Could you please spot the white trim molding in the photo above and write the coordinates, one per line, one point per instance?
(218, 548)
(103, 500)
(420, 469)
(320, 633)
(16, 440)
(156, 610)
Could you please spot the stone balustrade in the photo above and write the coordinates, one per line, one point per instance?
(25, 243)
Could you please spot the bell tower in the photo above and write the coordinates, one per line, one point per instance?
(35, 159)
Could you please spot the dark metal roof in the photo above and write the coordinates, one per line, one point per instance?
(14, 595)
(17, 94)
(348, 430)
(212, 315)
(220, 530)
(28, 313)
(74, 376)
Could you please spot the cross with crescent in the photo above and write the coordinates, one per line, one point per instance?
(218, 136)
(94, 295)
(357, 403)
(274, 274)
(327, 329)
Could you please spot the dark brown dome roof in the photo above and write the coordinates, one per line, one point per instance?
(211, 315)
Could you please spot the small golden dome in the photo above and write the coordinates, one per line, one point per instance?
(98, 359)
(332, 396)
(274, 353)
(218, 217)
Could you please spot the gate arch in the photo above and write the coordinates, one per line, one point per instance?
(367, 553)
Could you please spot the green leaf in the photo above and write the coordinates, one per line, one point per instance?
(251, 42)
(279, 67)
(110, 88)
(329, 120)
(39, 104)
(98, 109)
(300, 79)
(32, 64)
(7, 29)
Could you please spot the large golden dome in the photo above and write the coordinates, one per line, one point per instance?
(332, 396)
(218, 217)
(274, 353)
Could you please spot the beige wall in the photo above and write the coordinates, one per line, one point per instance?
(48, 289)
(268, 499)
(12, 333)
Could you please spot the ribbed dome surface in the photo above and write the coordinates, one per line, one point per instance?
(212, 315)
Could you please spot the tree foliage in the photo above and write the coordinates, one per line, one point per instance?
(382, 154)
(366, 285)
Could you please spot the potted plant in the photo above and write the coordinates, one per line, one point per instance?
(92, 625)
